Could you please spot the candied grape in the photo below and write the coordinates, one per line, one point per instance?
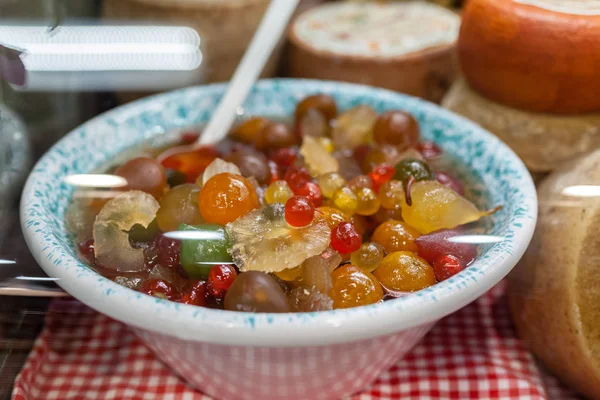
(249, 130)
(330, 182)
(168, 251)
(191, 163)
(179, 205)
(381, 174)
(290, 274)
(403, 271)
(333, 216)
(220, 279)
(345, 238)
(276, 135)
(447, 266)
(352, 287)
(391, 194)
(313, 192)
(255, 291)
(368, 256)
(323, 103)
(278, 192)
(429, 150)
(299, 211)
(226, 197)
(296, 177)
(396, 236)
(437, 244)
(450, 181)
(326, 143)
(415, 168)
(398, 128)
(158, 288)
(354, 127)
(303, 299)
(251, 163)
(314, 124)
(207, 245)
(367, 202)
(345, 200)
(145, 174)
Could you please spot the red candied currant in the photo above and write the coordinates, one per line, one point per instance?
(195, 295)
(381, 174)
(296, 177)
(450, 181)
(284, 157)
(299, 211)
(168, 251)
(429, 150)
(158, 288)
(313, 192)
(345, 238)
(86, 248)
(447, 266)
(220, 278)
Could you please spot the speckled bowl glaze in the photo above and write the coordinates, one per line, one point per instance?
(232, 355)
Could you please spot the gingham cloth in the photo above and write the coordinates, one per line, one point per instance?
(472, 354)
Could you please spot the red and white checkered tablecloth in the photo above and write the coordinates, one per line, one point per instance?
(472, 354)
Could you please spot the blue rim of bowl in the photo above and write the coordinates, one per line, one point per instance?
(279, 330)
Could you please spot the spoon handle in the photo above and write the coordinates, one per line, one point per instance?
(266, 37)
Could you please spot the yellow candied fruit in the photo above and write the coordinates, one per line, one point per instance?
(329, 183)
(367, 202)
(332, 216)
(367, 257)
(403, 271)
(278, 192)
(290, 274)
(326, 143)
(345, 200)
(391, 194)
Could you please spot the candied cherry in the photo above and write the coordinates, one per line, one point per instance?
(403, 271)
(345, 200)
(447, 266)
(158, 288)
(278, 192)
(397, 128)
(195, 295)
(255, 291)
(437, 244)
(312, 191)
(179, 205)
(450, 181)
(276, 135)
(249, 130)
(332, 216)
(391, 194)
(381, 174)
(368, 256)
(145, 174)
(220, 279)
(396, 236)
(168, 251)
(323, 103)
(284, 157)
(429, 150)
(191, 163)
(345, 238)
(330, 182)
(367, 201)
(418, 169)
(299, 211)
(296, 177)
(352, 287)
(251, 163)
(226, 197)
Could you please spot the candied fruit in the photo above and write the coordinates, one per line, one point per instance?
(251, 164)
(255, 291)
(345, 200)
(352, 287)
(314, 124)
(299, 211)
(179, 205)
(345, 238)
(398, 128)
(332, 216)
(368, 256)
(450, 181)
(202, 246)
(322, 103)
(226, 197)
(145, 174)
(367, 202)
(220, 279)
(437, 244)
(326, 143)
(275, 135)
(396, 236)
(318, 160)
(447, 266)
(354, 127)
(417, 169)
(330, 182)
(249, 130)
(216, 167)
(391, 194)
(403, 271)
(278, 192)
(303, 299)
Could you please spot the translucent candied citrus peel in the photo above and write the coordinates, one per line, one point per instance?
(217, 166)
(263, 241)
(354, 127)
(435, 206)
(317, 159)
(111, 240)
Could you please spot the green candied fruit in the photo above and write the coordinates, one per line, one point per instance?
(203, 249)
(415, 168)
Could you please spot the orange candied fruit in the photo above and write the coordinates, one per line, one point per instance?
(403, 271)
(352, 287)
(396, 236)
(226, 197)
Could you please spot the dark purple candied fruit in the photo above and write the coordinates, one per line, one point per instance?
(168, 251)
(438, 244)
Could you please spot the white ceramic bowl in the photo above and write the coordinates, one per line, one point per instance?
(233, 355)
